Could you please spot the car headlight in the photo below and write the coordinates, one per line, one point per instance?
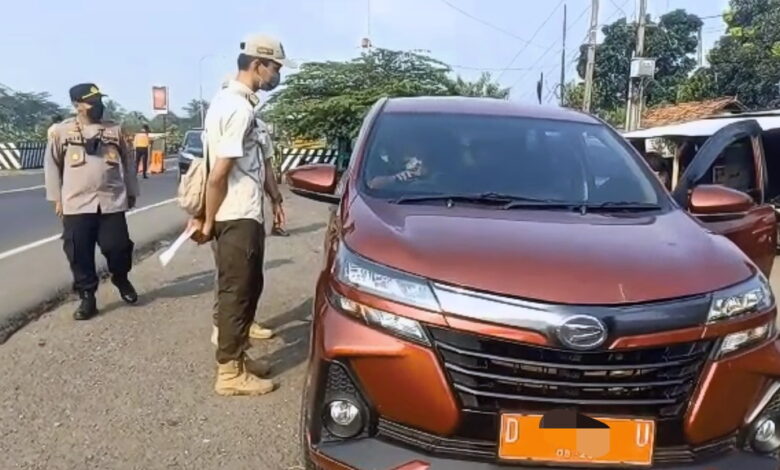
(397, 325)
(751, 296)
(187, 156)
(373, 278)
(743, 339)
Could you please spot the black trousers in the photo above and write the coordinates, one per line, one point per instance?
(240, 249)
(80, 235)
(142, 158)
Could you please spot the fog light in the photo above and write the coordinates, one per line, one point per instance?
(343, 418)
(765, 437)
(343, 412)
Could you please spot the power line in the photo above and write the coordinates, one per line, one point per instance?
(573, 49)
(582, 15)
(620, 8)
(488, 24)
(544, 23)
(491, 69)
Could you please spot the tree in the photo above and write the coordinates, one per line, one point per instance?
(328, 99)
(672, 41)
(133, 122)
(746, 61)
(174, 127)
(483, 86)
(114, 111)
(701, 85)
(26, 116)
(192, 114)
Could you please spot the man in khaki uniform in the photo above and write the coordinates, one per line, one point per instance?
(234, 216)
(91, 179)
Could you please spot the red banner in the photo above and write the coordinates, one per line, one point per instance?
(160, 99)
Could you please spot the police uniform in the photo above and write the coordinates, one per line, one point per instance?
(89, 169)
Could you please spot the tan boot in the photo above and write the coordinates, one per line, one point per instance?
(234, 380)
(255, 332)
(258, 332)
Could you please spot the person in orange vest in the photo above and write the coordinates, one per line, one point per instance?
(142, 146)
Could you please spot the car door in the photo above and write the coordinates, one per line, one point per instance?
(753, 231)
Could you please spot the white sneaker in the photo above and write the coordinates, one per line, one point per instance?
(255, 332)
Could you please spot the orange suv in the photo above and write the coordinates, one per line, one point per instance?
(509, 286)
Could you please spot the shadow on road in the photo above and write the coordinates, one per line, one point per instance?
(306, 229)
(184, 286)
(293, 328)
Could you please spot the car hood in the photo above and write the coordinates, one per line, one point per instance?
(551, 256)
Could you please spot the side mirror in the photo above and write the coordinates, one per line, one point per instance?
(316, 182)
(711, 199)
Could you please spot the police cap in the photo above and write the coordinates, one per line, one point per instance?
(85, 93)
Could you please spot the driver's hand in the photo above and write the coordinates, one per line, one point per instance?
(405, 176)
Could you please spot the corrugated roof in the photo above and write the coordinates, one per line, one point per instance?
(681, 112)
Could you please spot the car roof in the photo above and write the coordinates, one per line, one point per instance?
(483, 106)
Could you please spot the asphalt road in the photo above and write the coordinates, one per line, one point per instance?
(33, 268)
(133, 388)
(26, 215)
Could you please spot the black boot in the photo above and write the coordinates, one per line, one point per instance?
(126, 290)
(87, 308)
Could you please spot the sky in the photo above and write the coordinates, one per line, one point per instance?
(189, 45)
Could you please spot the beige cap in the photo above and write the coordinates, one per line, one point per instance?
(261, 45)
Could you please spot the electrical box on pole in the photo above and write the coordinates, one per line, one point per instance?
(642, 67)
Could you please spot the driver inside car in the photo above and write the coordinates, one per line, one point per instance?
(409, 167)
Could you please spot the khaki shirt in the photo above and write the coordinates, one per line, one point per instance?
(231, 132)
(88, 183)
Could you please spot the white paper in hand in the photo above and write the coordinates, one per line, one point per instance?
(167, 255)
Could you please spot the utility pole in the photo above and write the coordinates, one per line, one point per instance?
(593, 36)
(700, 49)
(636, 84)
(563, 60)
(366, 43)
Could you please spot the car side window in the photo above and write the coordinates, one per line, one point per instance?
(735, 168)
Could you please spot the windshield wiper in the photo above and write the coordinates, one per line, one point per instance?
(506, 201)
(624, 205)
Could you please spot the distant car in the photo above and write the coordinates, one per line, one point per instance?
(191, 147)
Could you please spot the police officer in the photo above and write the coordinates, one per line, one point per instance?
(91, 179)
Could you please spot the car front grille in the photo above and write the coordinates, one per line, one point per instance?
(491, 375)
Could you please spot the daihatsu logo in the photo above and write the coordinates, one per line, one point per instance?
(582, 332)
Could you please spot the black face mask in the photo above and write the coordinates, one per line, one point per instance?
(273, 83)
(95, 113)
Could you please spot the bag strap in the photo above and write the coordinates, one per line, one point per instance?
(205, 144)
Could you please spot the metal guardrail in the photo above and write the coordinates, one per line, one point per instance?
(295, 157)
(22, 155)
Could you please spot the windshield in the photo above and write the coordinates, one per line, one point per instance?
(542, 160)
(193, 142)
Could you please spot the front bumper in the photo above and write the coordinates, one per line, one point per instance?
(375, 454)
(379, 362)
